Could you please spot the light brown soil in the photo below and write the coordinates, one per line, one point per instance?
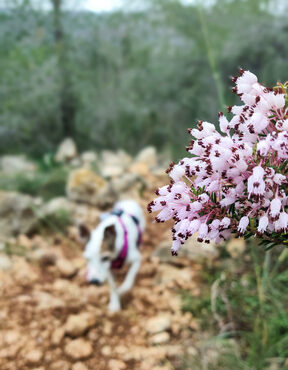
(37, 299)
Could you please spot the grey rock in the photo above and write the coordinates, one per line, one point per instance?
(14, 164)
(148, 156)
(67, 151)
(192, 250)
(18, 213)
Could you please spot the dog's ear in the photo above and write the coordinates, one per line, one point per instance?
(109, 239)
(84, 233)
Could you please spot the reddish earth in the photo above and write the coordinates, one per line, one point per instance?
(45, 286)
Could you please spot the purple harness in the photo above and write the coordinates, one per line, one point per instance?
(119, 261)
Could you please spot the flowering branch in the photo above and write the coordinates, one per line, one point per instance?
(234, 182)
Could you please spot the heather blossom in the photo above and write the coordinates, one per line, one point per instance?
(235, 180)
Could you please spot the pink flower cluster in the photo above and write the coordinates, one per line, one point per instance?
(234, 181)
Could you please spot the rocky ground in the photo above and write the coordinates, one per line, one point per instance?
(50, 318)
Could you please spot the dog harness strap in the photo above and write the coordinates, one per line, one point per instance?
(119, 261)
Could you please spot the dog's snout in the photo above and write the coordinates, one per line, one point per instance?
(95, 282)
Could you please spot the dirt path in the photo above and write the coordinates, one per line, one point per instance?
(51, 319)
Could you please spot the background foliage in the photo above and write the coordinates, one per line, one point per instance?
(129, 79)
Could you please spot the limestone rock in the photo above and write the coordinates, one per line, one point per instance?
(89, 159)
(13, 164)
(192, 250)
(67, 151)
(148, 156)
(11, 337)
(47, 301)
(141, 169)
(87, 187)
(116, 364)
(60, 365)
(79, 366)
(57, 336)
(160, 338)
(125, 183)
(23, 273)
(5, 262)
(114, 164)
(78, 349)
(66, 268)
(168, 274)
(236, 247)
(19, 213)
(158, 324)
(34, 356)
(78, 324)
(57, 205)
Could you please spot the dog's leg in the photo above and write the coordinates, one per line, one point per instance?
(114, 303)
(130, 277)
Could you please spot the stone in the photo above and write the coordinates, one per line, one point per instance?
(57, 205)
(79, 366)
(77, 325)
(23, 273)
(66, 151)
(5, 262)
(14, 164)
(48, 301)
(75, 162)
(10, 352)
(148, 156)
(60, 365)
(168, 274)
(66, 268)
(114, 164)
(24, 241)
(158, 324)
(44, 257)
(34, 356)
(141, 169)
(106, 351)
(65, 287)
(78, 349)
(19, 213)
(160, 338)
(191, 250)
(57, 336)
(87, 187)
(116, 364)
(236, 247)
(138, 353)
(125, 182)
(11, 337)
(89, 158)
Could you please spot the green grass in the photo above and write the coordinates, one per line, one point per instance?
(250, 306)
(47, 182)
(56, 222)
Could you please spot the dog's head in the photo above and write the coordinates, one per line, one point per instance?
(99, 251)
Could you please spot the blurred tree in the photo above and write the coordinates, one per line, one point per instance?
(129, 79)
(67, 103)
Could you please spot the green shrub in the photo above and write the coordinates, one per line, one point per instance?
(46, 184)
(250, 306)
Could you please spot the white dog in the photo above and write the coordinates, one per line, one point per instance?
(114, 242)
